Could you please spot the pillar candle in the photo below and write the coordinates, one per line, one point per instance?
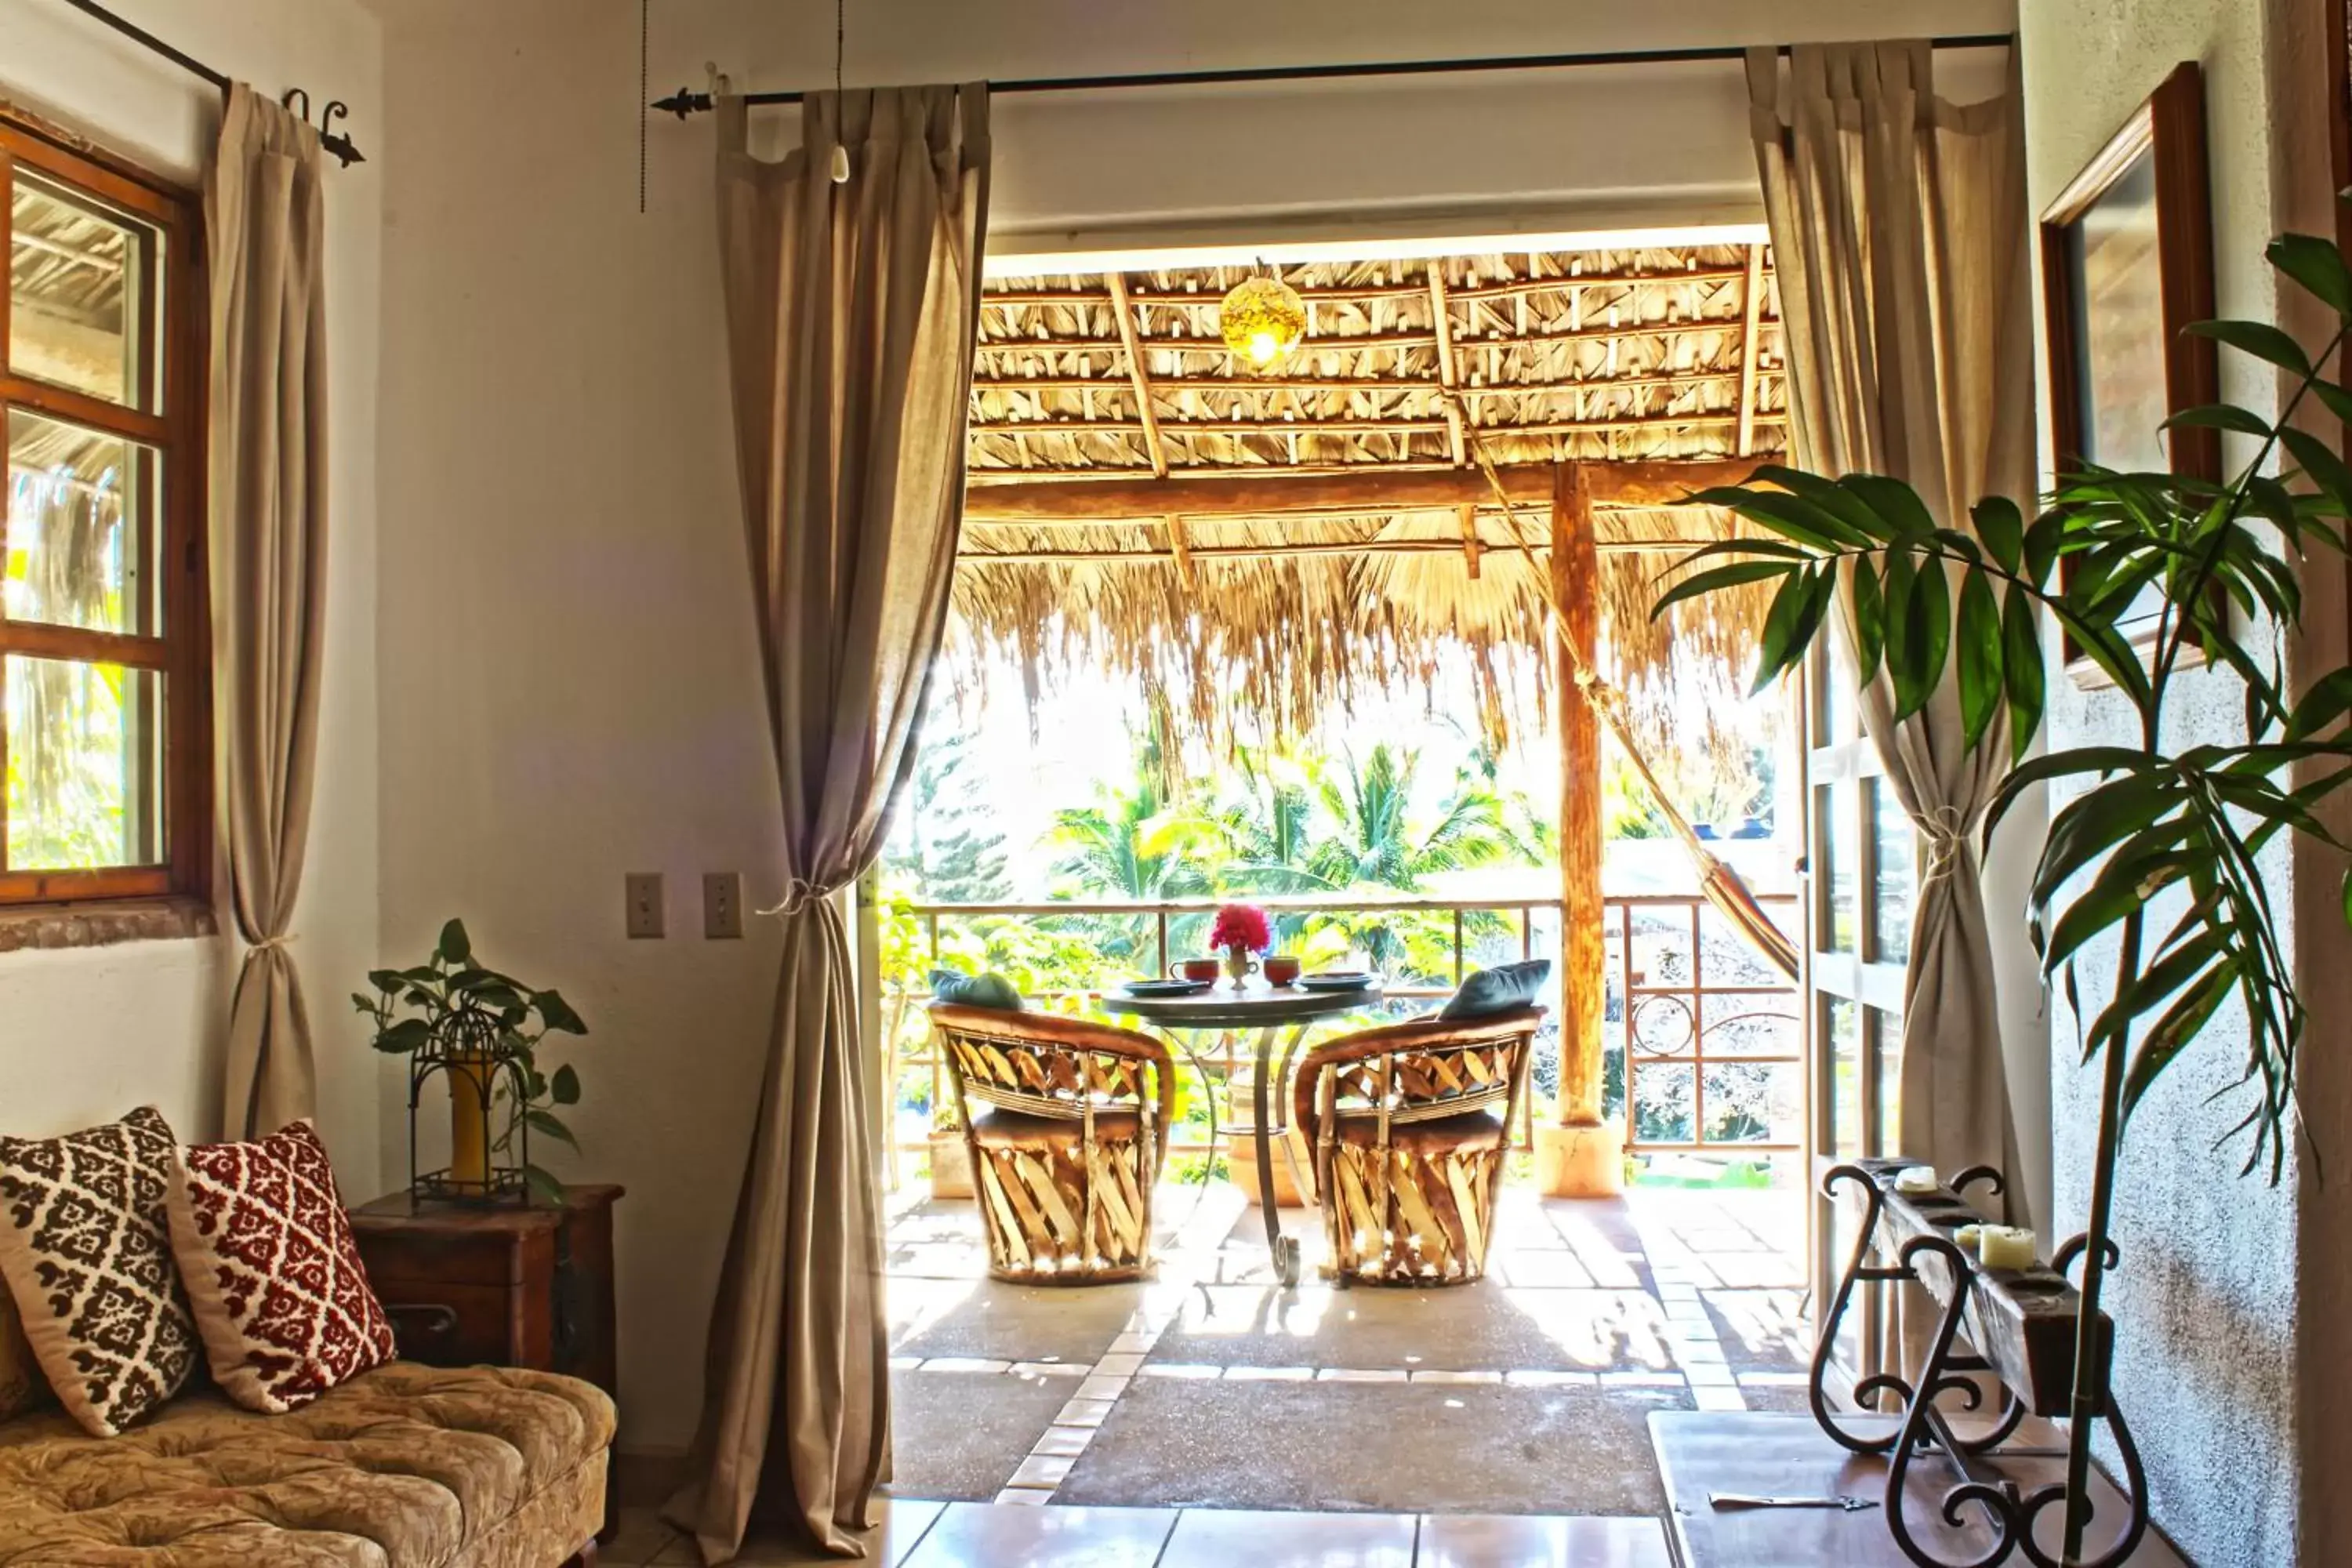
(2005, 1246)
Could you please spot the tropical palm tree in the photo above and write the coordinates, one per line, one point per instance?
(1377, 844)
(1136, 842)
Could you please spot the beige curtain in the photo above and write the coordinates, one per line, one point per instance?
(1898, 226)
(851, 311)
(264, 215)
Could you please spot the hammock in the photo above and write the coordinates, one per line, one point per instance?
(1720, 884)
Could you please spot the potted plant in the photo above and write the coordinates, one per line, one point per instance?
(481, 1031)
(2158, 854)
(1239, 931)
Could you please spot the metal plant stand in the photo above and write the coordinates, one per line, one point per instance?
(2017, 1325)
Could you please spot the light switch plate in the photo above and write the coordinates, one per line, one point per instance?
(645, 895)
(722, 903)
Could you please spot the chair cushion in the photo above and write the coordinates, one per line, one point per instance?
(86, 1254)
(989, 990)
(997, 1128)
(280, 1295)
(403, 1467)
(1498, 990)
(1439, 1134)
(22, 1386)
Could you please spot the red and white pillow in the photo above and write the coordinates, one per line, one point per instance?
(266, 1252)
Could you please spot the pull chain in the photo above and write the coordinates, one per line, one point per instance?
(645, 34)
(840, 34)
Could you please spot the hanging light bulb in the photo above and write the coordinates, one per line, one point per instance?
(840, 164)
(1263, 319)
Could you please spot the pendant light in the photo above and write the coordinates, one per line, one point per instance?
(1262, 318)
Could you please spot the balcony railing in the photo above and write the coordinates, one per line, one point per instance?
(1704, 1039)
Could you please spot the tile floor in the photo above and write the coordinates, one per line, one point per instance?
(1210, 1386)
(1004, 1535)
(1209, 1418)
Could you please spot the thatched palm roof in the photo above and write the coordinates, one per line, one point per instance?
(1109, 425)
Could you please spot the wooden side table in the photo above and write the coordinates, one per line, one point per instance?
(504, 1285)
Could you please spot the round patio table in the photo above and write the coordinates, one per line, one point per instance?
(1270, 1010)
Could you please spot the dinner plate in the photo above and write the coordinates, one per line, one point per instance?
(1336, 980)
(1166, 987)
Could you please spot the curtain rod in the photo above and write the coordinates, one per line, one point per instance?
(683, 103)
(337, 143)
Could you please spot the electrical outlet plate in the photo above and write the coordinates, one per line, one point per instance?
(722, 904)
(645, 904)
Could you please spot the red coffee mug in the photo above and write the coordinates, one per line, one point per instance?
(1194, 968)
(1281, 970)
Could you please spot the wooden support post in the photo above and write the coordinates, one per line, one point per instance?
(1138, 375)
(1748, 336)
(1582, 1157)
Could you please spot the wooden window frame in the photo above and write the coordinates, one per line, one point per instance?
(183, 654)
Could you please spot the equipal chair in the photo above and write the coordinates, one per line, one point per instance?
(1065, 1121)
(1410, 1124)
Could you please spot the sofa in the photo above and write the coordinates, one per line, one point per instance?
(403, 1467)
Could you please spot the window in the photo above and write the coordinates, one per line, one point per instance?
(104, 734)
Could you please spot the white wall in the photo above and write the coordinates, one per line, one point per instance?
(86, 1035)
(570, 686)
(2206, 1304)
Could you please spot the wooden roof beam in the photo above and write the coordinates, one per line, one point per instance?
(1138, 374)
(1186, 562)
(1377, 488)
(1337, 293)
(1383, 384)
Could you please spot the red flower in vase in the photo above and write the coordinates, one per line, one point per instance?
(1244, 926)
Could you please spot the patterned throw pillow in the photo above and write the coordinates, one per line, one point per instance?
(281, 1295)
(21, 1386)
(85, 1253)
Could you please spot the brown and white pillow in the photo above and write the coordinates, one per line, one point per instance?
(281, 1295)
(85, 1253)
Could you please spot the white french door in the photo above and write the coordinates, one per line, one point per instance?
(1863, 864)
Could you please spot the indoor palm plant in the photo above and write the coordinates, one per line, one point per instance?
(2157, 856)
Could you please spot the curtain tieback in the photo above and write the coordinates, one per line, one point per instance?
(271, 944)
(799, 894)
(1947, 841)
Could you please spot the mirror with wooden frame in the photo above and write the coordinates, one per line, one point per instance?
(2126, 265)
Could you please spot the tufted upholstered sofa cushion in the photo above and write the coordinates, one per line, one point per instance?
(403, 1467)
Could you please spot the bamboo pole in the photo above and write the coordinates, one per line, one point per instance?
(1138, 375)
(1442, 316)
(1751, 314)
